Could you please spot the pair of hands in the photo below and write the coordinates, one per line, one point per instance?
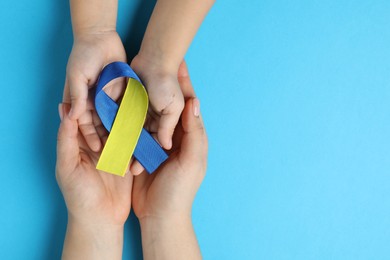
(91, 52)
(99, 203)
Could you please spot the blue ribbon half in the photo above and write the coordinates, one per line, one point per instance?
(147, 152)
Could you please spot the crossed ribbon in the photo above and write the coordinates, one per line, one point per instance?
(125, 123)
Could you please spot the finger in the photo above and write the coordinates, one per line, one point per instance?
(183, 70)
(78, 95)
(66, 93)
(100, 129)
(183, 77)
(151, 124)
(115, 88)
(177, 138)
(136, 168)
(194, 143)
(141, 181)
(67, 142)
(124, 185)
(88, 130)
(91, 99)
(168, 121)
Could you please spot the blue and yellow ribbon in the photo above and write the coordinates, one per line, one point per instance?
(125, 123)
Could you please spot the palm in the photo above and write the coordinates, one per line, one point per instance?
(151, 191)
(87, 189)
(157, 194)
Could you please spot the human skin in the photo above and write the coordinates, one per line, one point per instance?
(96, 44)
(170, 31)
(98, 203)
(163, 201)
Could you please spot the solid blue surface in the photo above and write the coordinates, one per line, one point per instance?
(296, 99)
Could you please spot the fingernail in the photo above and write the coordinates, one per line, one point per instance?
(196, 107)
(168, 145)
(60, 111)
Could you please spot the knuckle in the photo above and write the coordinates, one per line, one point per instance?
(77, 99)
(200, 128)
(72, 75)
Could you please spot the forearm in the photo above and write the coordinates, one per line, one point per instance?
(171, 30)
(87, 241)
(172, 238)
(91, 16)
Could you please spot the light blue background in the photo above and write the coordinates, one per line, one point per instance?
(295, 95)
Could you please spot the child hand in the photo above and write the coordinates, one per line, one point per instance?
(165, 96)
(98, 203)
(90, 53)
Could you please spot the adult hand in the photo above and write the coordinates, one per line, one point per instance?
(98, 203)
(163, 201)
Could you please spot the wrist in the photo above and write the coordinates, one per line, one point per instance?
(95, 228)
(154, 228)
(171, 237)
(90, 16)
(93, 240)
(155, 63)
(99, 233)
(93, 33)
(166, 220)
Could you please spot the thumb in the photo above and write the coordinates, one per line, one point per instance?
(168, 121)
(194, 143)
(67, 142)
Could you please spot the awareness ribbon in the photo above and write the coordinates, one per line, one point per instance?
(125, 123)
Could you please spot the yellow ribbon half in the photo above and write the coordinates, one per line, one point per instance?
(125, 131)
